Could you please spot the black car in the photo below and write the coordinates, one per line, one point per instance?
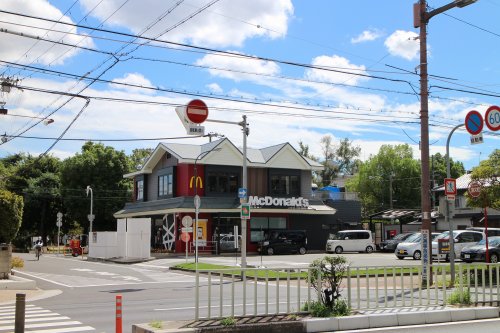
(477, 252)
(284, 241)
(390, 245)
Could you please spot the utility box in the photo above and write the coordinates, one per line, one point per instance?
(5, 258)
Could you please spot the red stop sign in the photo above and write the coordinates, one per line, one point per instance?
(474, 189)
(197, 111)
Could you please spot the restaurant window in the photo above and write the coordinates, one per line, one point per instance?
(140, 190)
(165, 185)
(222, 182)
(259, 226)
(284, 183)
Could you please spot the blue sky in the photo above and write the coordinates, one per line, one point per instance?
(283, 102)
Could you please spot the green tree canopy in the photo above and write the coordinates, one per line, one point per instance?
(102, 168)
(393, 165)
(488, 172)
(11, 215)
(439, 169)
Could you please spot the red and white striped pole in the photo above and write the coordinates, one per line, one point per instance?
(118, 313)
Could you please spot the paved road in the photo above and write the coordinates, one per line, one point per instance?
(150, 290)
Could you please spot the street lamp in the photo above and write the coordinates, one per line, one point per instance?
(91, 215)
(421, 17)
(197, 200)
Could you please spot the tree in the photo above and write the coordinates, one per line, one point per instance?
(102, 168)
(30, 177)
(488, 173)
(330, 168)
(345, 156)
(439, 169)
(11, 215)
(304, 151)
(393, 165)
(139, 157)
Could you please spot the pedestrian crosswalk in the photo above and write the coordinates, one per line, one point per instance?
(39, 320)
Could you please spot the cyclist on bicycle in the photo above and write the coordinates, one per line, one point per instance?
(38, 247)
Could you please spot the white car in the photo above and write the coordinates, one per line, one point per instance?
(462, 238)
(350, 241)
(412, 247)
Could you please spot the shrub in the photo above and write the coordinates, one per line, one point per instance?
(460, 297)
(16, 262)
(326, 277)
(318, 309)
(229, 321)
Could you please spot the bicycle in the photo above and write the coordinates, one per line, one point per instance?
(38, 252)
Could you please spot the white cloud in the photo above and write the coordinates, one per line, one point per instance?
(367, 36)
(337, 64)
(403, 44)
(135, 79)
(210, 28)
(215, 88)
(27, 50)
(235, 67)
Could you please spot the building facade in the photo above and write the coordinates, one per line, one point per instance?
(279, 191)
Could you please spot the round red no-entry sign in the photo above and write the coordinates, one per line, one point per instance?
(474, 189)
(197, 111)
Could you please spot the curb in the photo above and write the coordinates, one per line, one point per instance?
(15, 282)
(371, 322)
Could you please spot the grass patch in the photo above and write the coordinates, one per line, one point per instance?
(273, 274)
(156, 324)
(460, 297)
(229, 321)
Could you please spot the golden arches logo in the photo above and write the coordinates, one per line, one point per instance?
(198, 179)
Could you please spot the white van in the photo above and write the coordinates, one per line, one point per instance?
(350, 241)
(462, 238)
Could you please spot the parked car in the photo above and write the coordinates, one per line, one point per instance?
(462, 238)
(350, 241)
(412, 247)
(284, 241)
(390, 245)
(491, 231)
(477, 252)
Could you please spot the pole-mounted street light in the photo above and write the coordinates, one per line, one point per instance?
(421, 17)
(91, 215)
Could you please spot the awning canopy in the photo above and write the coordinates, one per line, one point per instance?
(392, 214)
(213, 205)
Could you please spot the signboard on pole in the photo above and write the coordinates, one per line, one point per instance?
(425, 253)
(474, 122)
(492, 118)
(474, 189)
(245, 211)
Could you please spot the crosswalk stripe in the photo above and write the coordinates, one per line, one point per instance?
(39, 320)
(64, 330)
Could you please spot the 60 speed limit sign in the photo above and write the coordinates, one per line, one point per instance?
(492, 118)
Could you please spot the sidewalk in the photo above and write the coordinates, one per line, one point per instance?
(19, 285)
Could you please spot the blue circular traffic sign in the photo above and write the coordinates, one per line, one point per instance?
(474, 122)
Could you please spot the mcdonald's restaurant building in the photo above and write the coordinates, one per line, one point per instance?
(279, 189)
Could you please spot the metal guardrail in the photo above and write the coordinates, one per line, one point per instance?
(251, 291)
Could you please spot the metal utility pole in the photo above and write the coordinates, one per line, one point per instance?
(447, 205)
(244, 127)
(421, 18)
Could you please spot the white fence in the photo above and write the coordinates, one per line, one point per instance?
(131, 240)
(228, 292)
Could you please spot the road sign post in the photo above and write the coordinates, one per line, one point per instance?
(59, 224)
